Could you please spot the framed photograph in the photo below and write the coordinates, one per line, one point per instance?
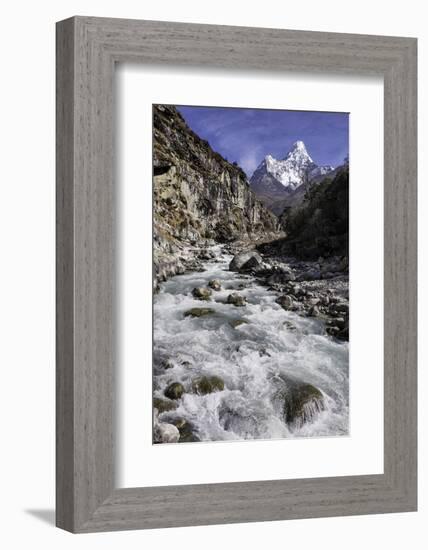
(236, 274)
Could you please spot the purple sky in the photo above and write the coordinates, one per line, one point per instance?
(248, 135)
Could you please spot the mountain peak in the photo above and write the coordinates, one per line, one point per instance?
(296, 169)
(299, 145)
(299, 151)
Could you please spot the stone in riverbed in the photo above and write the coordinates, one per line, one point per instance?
(206, 255)
(164, 405)
(215, 284)
(174, 390)
(301, 402)
(286, 302)
(343, 307)
(313, 311)
(281, 277)
(201, 293)
(236, 299)
(242, 261)
(235, 323)
(207, 384)
(188, 433)
(289, 325)
(165, 433)
(199, 312)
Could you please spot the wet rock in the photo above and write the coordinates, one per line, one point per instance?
(201, 293)
(235, 323)
(188, 432)
(313, 311)
(165, 433)
(242, 261)
(342, 307)
(199, 312)
(207, 384)
(174, 390)
(252, 264)
(239, 421)
(194, 265)
(164, 405)
(340, 323)
(263, 352)
(285, 301)
(281, 277)
(236, 299)
(215, 284)
(206, 255)
(289, 325)
(333, 331)
(301, 402)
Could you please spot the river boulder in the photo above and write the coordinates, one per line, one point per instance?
(235, 323)
(165, 433)
(286, 302)
(174, 390)
(207, 384)
(164, 405)
(215, 284)
(199, 312)
(236, 299)
(245, 261)
(301, 402)
(201, 293)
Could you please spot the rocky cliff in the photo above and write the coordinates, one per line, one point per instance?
(198, 195)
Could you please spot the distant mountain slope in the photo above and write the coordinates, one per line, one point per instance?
(319, 225)
(278, 183)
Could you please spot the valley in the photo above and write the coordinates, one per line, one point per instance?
(251, 302)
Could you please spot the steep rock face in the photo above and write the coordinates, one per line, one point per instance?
(279, 183)
(198, 195)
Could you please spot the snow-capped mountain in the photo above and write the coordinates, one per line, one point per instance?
(275, 179)
(293, 169)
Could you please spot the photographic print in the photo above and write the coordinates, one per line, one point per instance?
(250, 268)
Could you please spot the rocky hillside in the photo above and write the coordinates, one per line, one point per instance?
(318, 227)
(198, 195)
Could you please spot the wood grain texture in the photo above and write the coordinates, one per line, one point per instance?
(87, 49)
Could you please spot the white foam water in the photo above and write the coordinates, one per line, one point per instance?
(250, 359)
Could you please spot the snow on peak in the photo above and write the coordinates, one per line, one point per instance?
(295, 169)
(298, 145)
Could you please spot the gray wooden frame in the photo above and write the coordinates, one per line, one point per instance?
(87, 50)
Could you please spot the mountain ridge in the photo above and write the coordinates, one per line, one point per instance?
(278, 183)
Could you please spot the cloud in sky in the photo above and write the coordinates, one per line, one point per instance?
(248, 135)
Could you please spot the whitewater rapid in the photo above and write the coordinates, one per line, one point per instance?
(249, 358)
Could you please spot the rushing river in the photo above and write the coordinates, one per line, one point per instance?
(249, 358)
